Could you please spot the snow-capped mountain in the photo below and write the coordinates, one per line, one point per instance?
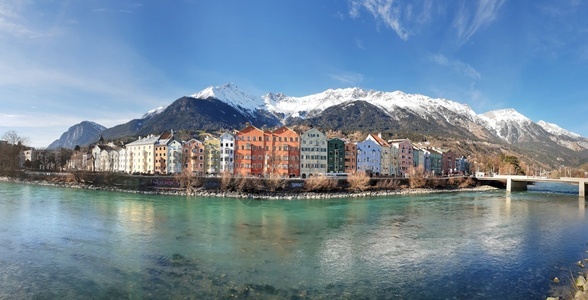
(396, 104)
(233, 96)
(510, 125)
(402, 108)
(312, 105)
(81, 134)
(515, 128)
(226, 107)
(556, 130)
(153, 112)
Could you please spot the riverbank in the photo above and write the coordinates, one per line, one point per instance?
(61, 181)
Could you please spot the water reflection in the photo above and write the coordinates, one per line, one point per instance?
(467, 245)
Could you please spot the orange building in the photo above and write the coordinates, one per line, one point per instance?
(284, 152)
(263, 152)
(249, 151)
(160, 159)
(193, 157)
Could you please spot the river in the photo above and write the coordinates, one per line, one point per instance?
(58, 243)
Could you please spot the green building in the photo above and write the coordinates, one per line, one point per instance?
(336, 155)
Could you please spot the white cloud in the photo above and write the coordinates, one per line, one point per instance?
(350, 78)
(472, 15)
(457, 65)
(384, 11)
(408, 18)
(11, 21)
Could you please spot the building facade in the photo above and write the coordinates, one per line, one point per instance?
(212, 156)
(350, 158)
(283, 155)
(336, 156)
(369, 157)
(174, 157)
(227, 149)
(313, 153)
(405, 156)
(250, 153)
(448, 161)
(193, 157)
(141, 155)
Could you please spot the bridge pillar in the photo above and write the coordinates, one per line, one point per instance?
(515, 186)
(582, 189)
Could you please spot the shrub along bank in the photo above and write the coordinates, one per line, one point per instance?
(235, 185)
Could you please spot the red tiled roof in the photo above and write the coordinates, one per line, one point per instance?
(379, 140)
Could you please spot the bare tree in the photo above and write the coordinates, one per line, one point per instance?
(10, 150)
(359, 181)
(13, 138)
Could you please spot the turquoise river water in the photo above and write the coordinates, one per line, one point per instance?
(58, 243)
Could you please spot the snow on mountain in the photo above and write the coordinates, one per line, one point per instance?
(153, 112)
(499, 119)
(231, 95)
(423, 106)
(507, 124)
(556, 130)
(286, 106)
(514, 127)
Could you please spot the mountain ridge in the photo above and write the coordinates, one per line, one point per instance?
(227, 107)
(81, 134)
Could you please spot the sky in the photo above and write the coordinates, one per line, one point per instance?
(110, 61)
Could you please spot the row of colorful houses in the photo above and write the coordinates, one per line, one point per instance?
(262, 152)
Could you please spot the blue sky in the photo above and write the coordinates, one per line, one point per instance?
(109, 61)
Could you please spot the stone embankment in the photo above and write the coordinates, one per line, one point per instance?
(130, 184)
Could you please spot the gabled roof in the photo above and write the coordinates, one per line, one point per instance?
(166, 135)
(249, 129)
(104, 147)
(148, 140)
(378, 140)
(283, 129)
(192, 140)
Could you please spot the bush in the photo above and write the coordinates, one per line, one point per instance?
(189, 181)
(469, 182)
(358, 181)
(417, 181)
(319, 183)
(275, 182)
(248, 184)
(227, 181)
(388, 184)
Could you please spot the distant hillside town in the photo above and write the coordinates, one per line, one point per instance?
(261, 152)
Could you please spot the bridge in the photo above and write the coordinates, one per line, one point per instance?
(519, 183)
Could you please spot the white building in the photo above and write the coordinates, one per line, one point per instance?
(141, 155)
(122, 160)
(227, 152)
(174, 156)
(313, 153)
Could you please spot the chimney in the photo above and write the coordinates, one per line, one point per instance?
(379, 134)
(247, 124)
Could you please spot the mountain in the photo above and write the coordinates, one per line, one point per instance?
(556, 130)
(81, 134)
(214, 108)
(354, 109)
(513, 127)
